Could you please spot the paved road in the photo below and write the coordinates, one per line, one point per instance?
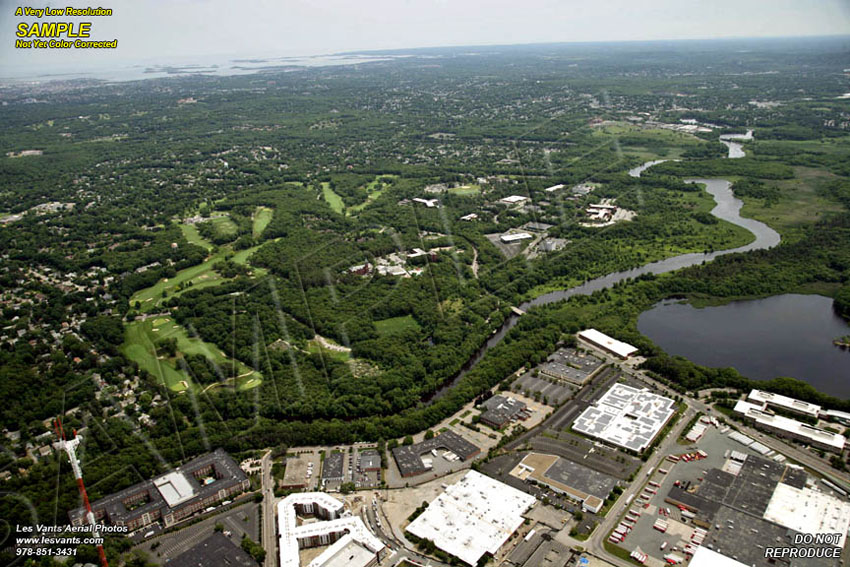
(268, 527)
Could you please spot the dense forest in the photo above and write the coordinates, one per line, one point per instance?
(311, 257)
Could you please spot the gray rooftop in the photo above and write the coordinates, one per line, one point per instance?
(332, 466)
(227, 474)
(408, 457)
(501, 410)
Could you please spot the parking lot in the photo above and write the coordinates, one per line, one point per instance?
(237, 521)
(716, 445)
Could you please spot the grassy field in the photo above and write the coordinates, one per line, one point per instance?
(140, 346)
(800, 202)
(465, 190)
(202, 275)
(190, 232)
(396, 325)
(262, 218)
(334, 200)
(223, 226)
(375, 189)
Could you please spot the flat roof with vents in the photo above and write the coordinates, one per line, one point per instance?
(474, 516)
(626, 417)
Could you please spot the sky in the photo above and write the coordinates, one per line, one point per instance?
(164, 30)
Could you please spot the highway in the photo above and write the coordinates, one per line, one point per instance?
(268, 527)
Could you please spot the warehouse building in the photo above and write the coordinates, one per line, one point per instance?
(626, 417)
(473, 517)
(577, 482)
(604, 342)
(763, 504)
(782, 426)
(500, 411)
(409, 457)
(190, 488)
(570, 365)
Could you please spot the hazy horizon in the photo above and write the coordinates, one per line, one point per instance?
(183, 30)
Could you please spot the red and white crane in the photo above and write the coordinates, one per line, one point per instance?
(70, 447)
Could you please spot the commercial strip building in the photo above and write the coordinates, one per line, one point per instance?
(612, 346)
(353, 544)
(409, 457)
(782, 426)
(190, 488)
(626, 417)
(472, 517)
(500, 411)
(575, 481)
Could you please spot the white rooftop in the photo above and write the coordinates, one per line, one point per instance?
(704, 557)
(174, 487)
(513, 199)
(814, 434)
(290, 532)
(760, 396)
(601, 339)
(808, 511)
(626, 417)
(474, 516)
(554, 187)
(345, 552)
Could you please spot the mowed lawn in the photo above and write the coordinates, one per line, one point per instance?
(334, 200)
(190, 232)
(262, 218)
(202, 275)
(395, 325)
(140, 340)
(465, 190)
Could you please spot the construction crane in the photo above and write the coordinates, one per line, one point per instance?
(70, 448)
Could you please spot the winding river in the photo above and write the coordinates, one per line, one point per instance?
(728, 208)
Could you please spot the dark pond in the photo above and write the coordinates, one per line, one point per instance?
(784, 335)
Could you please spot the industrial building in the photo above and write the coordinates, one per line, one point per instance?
(626, 417)
(575, 481)
(351, 542)
(604, 342)
(500, 411)
(782, 426)
(409, 457)
(515, 237)
(513, 200)
(473, 517)
(332, 467)
(569, 365)
(769, 399)
(190, 488)
(763, 499)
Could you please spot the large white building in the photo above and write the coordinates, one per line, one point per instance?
(343, 532)
(784, 402)
(626, 417)
(474, 516)
(608, 344)
(809, 511)
(783, 426)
